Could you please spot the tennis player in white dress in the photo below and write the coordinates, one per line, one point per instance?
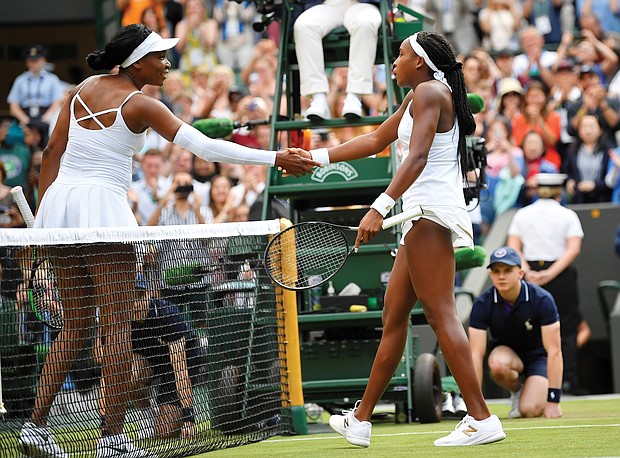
(85, 175)
(431, 125)
(95, 173)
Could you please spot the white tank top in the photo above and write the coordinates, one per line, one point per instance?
(440, 183)
(102, 156)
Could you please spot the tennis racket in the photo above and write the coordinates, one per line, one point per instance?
(42, 287)
(308, 254)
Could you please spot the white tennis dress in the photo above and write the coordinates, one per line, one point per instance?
(94, 175)
(439, 188)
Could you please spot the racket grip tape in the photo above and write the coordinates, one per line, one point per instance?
(20, 199)
(404, 216)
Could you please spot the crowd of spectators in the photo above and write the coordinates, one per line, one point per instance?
(547, 70)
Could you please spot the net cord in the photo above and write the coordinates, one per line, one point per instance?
(70, 236)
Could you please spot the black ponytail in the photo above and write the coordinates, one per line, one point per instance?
(440, 52)
(120, 46)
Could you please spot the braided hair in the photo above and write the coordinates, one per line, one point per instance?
(120, 46)
(440, 52)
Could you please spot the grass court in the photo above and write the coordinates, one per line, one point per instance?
(589, 427)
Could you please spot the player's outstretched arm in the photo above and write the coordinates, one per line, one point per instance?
(156, 115)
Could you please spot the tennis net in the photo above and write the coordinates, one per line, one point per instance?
(180, 324)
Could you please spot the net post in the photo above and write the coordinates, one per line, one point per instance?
(291, 337)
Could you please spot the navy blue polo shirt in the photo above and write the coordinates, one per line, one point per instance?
(517, 327)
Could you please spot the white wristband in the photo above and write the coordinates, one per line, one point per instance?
(320, 155)
(383, 204)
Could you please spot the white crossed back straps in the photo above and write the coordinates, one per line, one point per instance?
(95, 116)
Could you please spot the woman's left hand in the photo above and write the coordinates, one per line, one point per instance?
(369, 226)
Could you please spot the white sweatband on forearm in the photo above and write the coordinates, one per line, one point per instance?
(320, 155)
(383, 204)
(214, 150)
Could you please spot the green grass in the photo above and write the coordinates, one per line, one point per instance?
(587, 428)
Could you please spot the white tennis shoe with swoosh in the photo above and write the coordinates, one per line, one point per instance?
(355, 431)
(119, 446)
(473, 432)
(146, 423)
(37, 441)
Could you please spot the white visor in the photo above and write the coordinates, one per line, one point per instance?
(153, 43)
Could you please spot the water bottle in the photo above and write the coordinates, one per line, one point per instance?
(331, 291)
(315, 293)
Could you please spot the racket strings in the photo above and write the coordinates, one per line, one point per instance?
(306, 255)
(45, 296)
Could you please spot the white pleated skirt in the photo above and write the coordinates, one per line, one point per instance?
(83, 205)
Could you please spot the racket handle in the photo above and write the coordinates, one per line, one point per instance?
(404, 216)
(20, 199)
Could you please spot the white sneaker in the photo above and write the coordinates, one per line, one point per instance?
(318, 110)
(447, 408)
(474, 432)
(146, 423)
(119, 446)
(355, 431)
(515, 398)
(38, 441)
(460, 408)
(352, 108)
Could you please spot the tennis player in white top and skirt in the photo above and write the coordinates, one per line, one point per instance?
(431, 125)
(85, 175)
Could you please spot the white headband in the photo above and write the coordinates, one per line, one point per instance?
(153, 43)
(419, 50)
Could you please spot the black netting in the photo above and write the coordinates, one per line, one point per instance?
(155, 336)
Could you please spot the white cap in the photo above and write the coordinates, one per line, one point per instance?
(550, 179)
(153, 43)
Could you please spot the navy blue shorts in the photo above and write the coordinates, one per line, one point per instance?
(534, 363)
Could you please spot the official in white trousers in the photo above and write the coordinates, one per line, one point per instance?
(362, 21)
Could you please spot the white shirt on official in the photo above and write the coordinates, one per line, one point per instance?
(544, 227)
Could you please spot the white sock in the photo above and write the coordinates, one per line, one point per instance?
(319, 97)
